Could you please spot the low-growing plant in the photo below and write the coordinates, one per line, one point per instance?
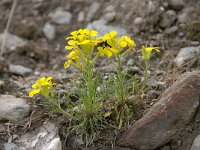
(117, 96)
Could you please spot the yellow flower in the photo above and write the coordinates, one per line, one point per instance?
(109, 36)
(125, 41)
(81, 37)
(42, 85)
(147, 51)
(109, 51)
(71, 57)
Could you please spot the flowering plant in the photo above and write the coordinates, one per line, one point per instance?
(92, 111)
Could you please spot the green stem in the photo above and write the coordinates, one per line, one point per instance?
(120, 78)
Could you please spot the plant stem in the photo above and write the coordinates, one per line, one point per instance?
(120, 78)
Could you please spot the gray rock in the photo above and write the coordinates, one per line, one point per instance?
(184, 15)
(195, 43)
(19, 70)
(81, 16)
(151, 7)
(102, 28)
(177, 4)
(61, 17)
(92, 10)
(173, 110)
(196, 143)
(11, 146)
(186, 54)
(171, 30)
(43, 138)
(12, 41)
(168, 18)
(109, 16)
(49, 31)
(138, 21)
(12, 108)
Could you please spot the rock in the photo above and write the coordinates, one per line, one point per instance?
(177, 4)
(168, 18)
(186, 54)
(173, 110)
(151, 7)
(12, 41)
(109, 16)
(196, 143)
(171, 30)
(19, 70)
(81, 16)
(49, 31)
(102, 28)
(195, 43)
(92, 10)
(12, 108)
(43, 138)
(138, 21)
(61, 17)
(184, 15)
(11, 146)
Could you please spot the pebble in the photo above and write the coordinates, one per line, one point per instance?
(49, 31)
(92, 10)
(171, 30)
(11, 146)
(81, 16)
(12, 41)
(177, 4)
(138, 20)
(61, 17)
(19, 70)
(194, 43)
(102, 28)
(185, 54)
(13, 108)
(168, 18)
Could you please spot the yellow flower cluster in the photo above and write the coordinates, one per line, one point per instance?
(43, 86)
(82, 43)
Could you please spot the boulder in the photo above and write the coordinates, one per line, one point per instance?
(173, 111)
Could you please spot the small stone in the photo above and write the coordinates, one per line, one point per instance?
(61, 17)
(138, 21)
(151, 8)
(49, 31)
(196, 143)
(11, 146)
(109, 16)
(102, 28)
(12, 108)
(130, 62)
(12, 41)
(37, 73)
(194, 43)
(171, 30)
(81, 16)
(184, 16)
(19, 70)
(186, 54)
(168, 18)
(92, 10)
(177, 4)
(43, 138)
